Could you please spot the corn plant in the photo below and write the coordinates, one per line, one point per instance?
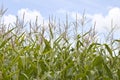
(47, 54)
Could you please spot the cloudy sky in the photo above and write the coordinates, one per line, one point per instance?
(103, 12)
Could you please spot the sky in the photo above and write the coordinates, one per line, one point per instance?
(102, 12)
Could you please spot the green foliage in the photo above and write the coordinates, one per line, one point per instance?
(34, 56)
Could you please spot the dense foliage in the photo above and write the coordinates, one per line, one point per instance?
(52, 53)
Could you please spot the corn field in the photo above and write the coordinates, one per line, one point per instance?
(56, 52)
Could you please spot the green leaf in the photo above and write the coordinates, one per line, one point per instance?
(108, 71)
(79, 44)
(25, 76)
(91, 46)
(1, 75)
(116, 41)
(108, 49)
(51, 32)
(118, 73)
(8, 32)
(97, 61)
(47, 48)
(13, 73)
(4, 42)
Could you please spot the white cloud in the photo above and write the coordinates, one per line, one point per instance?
(29, 15)
(105, 22)
(102, 21)
(9, 19)
(71, 14)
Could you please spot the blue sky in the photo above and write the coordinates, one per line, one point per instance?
(47, 7)
(100, 11)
